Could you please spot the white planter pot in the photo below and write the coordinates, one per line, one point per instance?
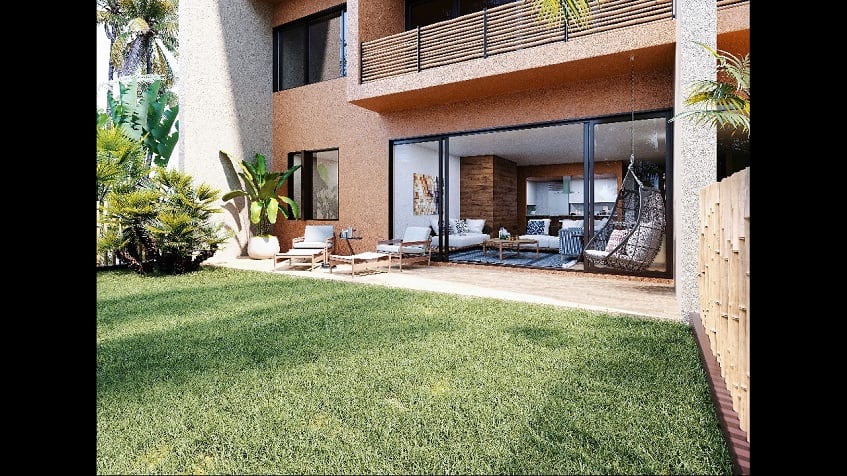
(262, 247)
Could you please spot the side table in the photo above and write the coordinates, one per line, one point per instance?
(347, 239)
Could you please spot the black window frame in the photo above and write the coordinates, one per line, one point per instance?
(305, 23)
(307, 196)
(455, 9)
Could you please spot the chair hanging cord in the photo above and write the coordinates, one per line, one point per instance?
(632, 110)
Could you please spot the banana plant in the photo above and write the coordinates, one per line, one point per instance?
(262, 189)
(150, 119)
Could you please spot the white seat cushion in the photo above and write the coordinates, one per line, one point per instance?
(388, 248)
(309, 244)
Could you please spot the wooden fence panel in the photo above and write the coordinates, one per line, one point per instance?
(724, 280)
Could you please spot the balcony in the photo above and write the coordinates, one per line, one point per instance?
(507, 49)
(502, 29)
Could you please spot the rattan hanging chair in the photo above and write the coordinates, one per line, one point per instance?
(631, 238)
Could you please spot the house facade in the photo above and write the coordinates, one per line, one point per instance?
(415, 112)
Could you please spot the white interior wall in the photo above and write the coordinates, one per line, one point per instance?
(412, 159)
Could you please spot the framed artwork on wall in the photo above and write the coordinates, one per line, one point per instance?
(425, 189)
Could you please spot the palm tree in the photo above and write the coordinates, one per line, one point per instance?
(725, 101)
(148, 40)
(110, 15)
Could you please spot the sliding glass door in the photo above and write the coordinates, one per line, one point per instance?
(567, 175)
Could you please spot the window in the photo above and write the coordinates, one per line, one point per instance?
(315, 185)
(427, 12)
(310, 50)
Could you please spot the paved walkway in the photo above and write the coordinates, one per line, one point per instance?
(621, 295)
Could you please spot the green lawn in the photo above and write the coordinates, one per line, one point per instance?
(230, 371)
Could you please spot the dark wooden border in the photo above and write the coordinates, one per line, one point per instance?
(736, 438)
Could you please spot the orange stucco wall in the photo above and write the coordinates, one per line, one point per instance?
(317, 116)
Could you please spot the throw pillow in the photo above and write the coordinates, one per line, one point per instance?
(546, 222)
(475, 225)
(452, 227)
(535, 227)
(461, 226)
(433, 223)
(615, 239)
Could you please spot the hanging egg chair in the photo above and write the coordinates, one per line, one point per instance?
(631, 238)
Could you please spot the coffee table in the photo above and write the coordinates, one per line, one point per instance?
(360, 262)
(308, 257)
(509, 244)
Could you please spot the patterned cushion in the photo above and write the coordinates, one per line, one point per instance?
(461, 226)
(535, 227)
(452, 227)
(615, 239)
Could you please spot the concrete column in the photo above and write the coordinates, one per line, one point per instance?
(695, 147)
(225, 56)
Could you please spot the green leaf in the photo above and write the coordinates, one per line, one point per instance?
(261, 165)
(295, 210)
(234, 194)
(255, 212)
(272, 209)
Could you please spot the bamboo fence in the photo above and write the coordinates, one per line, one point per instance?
(724, 281)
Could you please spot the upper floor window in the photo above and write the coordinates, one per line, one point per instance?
(310, 50)
(427, 12)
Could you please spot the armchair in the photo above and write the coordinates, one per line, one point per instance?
(414, 247)
(316, 237)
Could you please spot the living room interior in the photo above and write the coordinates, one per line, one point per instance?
(511, 177)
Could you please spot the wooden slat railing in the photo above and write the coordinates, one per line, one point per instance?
(724, 281)
(496, 30)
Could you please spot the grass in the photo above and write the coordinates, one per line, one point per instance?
(231, 371)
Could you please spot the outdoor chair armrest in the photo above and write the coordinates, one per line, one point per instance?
(298, 239)
(426, 245)
(393, 241)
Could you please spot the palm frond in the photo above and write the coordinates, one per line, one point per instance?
(552, 11)
(723, 102)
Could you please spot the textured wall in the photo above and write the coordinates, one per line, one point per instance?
(695, 147)
(225, 96)
(318, 116)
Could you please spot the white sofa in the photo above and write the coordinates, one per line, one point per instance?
(545, 240)
(541, 233)
(465, 235)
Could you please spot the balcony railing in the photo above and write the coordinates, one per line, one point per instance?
(497, 30)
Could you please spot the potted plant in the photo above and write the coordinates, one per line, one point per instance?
(262, 189)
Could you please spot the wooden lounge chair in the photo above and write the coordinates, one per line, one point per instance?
(414, 247)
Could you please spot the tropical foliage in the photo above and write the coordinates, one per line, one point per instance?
(725, 101)
(143, 35)
(165, 226)
(120, 160)
(262, 189)
(154, 220)
(150, 117)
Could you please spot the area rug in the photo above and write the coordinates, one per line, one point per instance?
(526, 258)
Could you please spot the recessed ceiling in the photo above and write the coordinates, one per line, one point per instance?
(564, 144)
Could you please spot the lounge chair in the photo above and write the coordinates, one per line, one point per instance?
(414, 247)
(316, 237)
